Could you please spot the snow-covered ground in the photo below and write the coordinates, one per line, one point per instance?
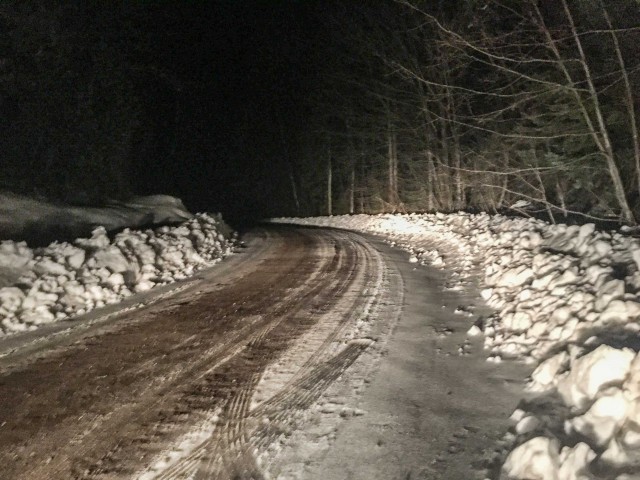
(566, 300)
(64, 280)
(23, 217)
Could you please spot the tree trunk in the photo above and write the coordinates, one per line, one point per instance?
(629, 103)
(294, 189)
(505, 183)
(329, 184)
(600, 134)
(543, 193)
(560, 194)
(362, 175)
(352, 177)
(604, 133)
(457, 159)
(292, 180)
(352, 190)
(393, 170)
(431, 175)
(445, 187)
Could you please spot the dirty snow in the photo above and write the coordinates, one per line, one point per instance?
(566, 300)
(64, 280)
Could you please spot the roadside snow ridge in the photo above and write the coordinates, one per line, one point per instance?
(566, 299)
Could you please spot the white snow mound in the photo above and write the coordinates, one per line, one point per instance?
(566, 298)
(64, 280)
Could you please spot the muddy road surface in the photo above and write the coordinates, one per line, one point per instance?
(200, 383)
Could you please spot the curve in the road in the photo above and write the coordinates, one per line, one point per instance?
(110, 403)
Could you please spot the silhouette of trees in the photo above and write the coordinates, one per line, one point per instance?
(487, 104)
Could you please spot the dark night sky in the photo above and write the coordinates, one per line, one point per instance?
(245, 69)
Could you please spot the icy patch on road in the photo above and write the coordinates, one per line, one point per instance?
(567, 299)
(64, 280)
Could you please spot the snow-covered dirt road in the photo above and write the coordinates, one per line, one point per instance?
(311, 354)
(432, 409)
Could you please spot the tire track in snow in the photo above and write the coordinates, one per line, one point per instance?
(104, 405)
(342, 263)
(110, 464)
(230, 452)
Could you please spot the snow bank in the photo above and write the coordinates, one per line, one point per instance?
(68, 279)
(567, 299)
(22, 217)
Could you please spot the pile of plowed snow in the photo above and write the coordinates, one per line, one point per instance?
(64, 280)
(567, 300)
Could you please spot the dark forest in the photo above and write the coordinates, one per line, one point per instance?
(262, 108)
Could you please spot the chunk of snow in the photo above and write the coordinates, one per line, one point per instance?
(611, 290)
(615, 455)
(37, 315)
(616, 311)
(527, 424)
(143, 286)
(11, 298)
(545, 374)
(568, 277)
(515, 277)
(114, 280)
(14, 255)
(36, 298)
(110, 257)
(603, 419)
(601, 249)
(46, 265)
(536, 459)
(575, 462)
(98, 240)
(602, 367)
(474, 331)
(517, 415)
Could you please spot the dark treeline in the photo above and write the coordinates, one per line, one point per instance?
(104, 100)
(74, 84)
(332, 106)
(446, 105)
